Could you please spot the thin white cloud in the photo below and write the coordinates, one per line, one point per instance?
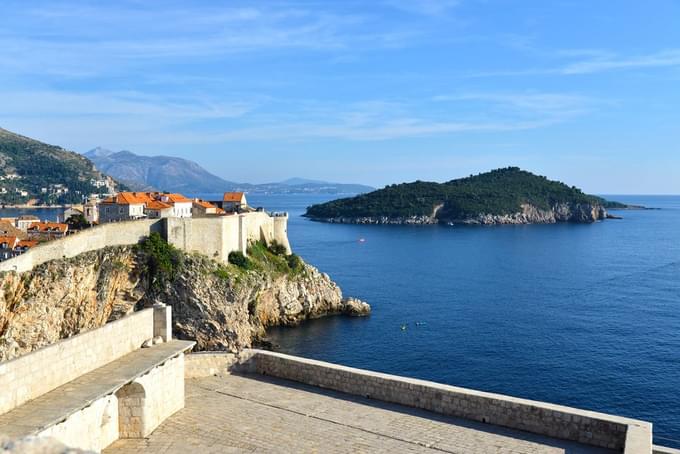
(46, 103)
(558, 105)
(666, 58)
(80, 41)
(594, 61)
(158, 120)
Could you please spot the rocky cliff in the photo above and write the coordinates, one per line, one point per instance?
(529, 214)
(222, 307)
(563, 212)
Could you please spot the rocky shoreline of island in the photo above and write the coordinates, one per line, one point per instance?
(576, 213)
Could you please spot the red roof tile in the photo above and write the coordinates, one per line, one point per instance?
(233, 196)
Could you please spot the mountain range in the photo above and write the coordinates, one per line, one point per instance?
(174, 174)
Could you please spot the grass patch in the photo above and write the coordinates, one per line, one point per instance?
(273, 259)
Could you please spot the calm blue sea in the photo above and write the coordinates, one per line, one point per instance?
(580, 315)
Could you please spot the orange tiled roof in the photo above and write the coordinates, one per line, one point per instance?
(174, 198)
(233, 196)
(145, 198)
(48, 227)
(157, 205)
(10, 240)
(130, 198)
(204, 204)
(27, 243)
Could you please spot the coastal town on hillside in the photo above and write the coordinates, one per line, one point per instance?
(19, 234)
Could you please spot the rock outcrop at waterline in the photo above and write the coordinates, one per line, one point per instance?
(222, 307)
(577, 213)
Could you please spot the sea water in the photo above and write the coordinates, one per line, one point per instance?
(580, 315)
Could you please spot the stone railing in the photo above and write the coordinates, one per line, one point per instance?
(591, 428)
(34, 374)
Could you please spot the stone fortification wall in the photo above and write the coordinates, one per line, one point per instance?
(39, 372)
(597, 429)
(215, 237)
(114, 234)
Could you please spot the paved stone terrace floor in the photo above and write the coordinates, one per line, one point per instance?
(263, 414)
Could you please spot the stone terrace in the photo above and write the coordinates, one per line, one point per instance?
(237, 413)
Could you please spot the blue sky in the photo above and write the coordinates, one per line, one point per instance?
(378, 92)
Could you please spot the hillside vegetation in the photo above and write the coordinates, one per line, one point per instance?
(39, 165)
(499, 192)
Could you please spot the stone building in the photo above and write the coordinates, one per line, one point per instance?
(201, 208)
(234, 202)
(45, 230)
(126, 206)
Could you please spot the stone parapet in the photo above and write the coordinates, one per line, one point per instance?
(34, 374)
(596, 429)
(206, 364)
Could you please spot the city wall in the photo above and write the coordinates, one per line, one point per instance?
(215, 237)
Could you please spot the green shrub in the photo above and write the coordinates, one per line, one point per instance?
(277, 249)
(294, 262)
(237, 258)
(162, 259)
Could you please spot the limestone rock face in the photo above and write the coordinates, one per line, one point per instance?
(65, 297)
(356, 307)
(530, 214)
(222, 308)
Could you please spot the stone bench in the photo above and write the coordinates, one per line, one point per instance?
(91, 389)
(122, 378)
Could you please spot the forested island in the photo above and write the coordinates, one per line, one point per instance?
(503, 196)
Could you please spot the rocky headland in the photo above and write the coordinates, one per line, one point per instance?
(221, 306)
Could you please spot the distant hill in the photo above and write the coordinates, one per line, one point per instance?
(181, 175)
(503, 196)
(46, 174)
(165, 173)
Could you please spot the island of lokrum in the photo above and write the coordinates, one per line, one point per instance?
(502, 196)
